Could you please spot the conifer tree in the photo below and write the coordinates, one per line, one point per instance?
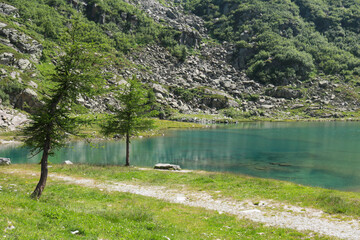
(77, 73)
(131, 118)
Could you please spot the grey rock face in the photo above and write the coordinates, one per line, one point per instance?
(5, 161)
(21, 42)
(8, 10)
(281, 92)
(11, 119)
(7, 59)
(222, 84)
(27, 100)
(24, 64)
(323, 84)
(295, 106)
(191, 27)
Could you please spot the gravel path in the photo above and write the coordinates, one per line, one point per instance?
(268, 212)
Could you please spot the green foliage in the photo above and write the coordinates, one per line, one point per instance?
(289, 40)
(253, 97)
(116, 25)
(285, 41)
(199, 93)
(77, 73)
(45, 19)
(187, 94)
(232, 113)
(132, 117)
(180, 51)
(8, 88)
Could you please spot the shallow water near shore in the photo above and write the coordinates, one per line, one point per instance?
(324, 154)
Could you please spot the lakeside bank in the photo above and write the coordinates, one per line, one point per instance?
(83, 201)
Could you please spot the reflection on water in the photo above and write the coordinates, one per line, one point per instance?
(317, 154)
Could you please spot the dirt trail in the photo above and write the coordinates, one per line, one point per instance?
(269, 212)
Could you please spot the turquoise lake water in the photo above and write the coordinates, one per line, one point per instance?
(317, 154)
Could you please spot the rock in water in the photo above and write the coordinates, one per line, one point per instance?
(167, 166)
(5, 161)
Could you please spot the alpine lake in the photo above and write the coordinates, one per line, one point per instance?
(323, 154)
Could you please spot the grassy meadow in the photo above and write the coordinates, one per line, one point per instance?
(68, 211)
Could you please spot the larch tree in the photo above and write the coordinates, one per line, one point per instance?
(78, 72)
(133, 115)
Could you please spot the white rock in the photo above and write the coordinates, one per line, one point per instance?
(5, 161)
(68, 162)
(24, 64)
(167, 166)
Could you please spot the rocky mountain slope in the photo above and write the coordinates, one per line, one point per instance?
(189, 68)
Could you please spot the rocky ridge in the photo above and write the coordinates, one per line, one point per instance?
(216, 67)
(208, 81)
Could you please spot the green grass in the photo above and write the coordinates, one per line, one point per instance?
(96, 214)
(238, 187)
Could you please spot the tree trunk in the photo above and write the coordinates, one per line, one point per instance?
(44, 172)
(127, 149)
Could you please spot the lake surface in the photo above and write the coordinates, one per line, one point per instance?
(325, 154)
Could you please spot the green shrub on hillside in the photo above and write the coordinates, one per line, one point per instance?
(290, 40)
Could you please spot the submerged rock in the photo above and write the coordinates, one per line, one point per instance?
(281, 164)
(167, 166)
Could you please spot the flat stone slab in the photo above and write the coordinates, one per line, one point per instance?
(5, 161)
(167, 166)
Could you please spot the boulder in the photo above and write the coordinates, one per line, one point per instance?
(296, 106)
(21, 42)
(281, 92)
(8, 10)
(23, 64)
(215, 102)
(11, 119)
(7, 59)
(267, 106)
(27, 100)
(5, 161)
(167, 166)
(157, 88)
(323, 84)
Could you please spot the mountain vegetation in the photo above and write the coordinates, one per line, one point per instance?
(288, 40)
(273, 59)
